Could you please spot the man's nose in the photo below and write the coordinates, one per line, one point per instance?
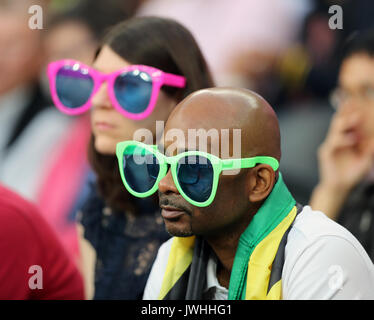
(167, 185)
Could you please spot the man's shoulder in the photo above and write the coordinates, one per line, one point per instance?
(318, 250)
(312, 226)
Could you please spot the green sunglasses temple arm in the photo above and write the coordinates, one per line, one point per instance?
(119, 149)
(229, 164)
(135, 149)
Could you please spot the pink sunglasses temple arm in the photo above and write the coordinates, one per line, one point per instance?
(174, 80)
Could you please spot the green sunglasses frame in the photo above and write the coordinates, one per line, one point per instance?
(218, 166)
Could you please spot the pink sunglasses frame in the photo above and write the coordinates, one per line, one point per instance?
(159, 78)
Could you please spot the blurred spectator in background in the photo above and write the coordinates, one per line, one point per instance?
(28, 129)
(74, 33)
(308, 69)
(302, 80)
(345, 191)
(34, 264)
(241, 38)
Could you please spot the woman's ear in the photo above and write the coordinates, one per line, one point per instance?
(260, 182)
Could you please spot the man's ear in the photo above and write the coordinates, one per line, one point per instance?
(260, 182)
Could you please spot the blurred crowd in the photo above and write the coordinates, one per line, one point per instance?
(282, 49)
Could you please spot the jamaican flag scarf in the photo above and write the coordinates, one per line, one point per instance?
(258, 262)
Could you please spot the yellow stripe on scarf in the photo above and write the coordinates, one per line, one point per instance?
(180, 258)
(261, 260)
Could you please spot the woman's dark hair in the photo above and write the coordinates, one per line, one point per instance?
(161, 43)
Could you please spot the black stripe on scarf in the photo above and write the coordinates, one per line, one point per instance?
(191, 285)
(278, 263)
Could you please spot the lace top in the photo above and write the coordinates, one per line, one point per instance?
(126, 245)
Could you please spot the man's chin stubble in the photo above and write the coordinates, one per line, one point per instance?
(176, 232)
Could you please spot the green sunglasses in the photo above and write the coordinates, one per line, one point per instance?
(195, 173)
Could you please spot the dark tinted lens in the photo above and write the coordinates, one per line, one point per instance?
(74, 86)
(140, 169)
(195, 176)
(133, 91)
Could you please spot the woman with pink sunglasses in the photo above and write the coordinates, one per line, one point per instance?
(143, 68)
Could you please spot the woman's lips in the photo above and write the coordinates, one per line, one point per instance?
(101, 125)
(171, 212)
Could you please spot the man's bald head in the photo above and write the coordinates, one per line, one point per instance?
(238, 195)
(230, 108)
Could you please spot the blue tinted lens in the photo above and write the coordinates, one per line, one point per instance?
(74, 86)
(140, 170)
(133, 91)
(195, 176)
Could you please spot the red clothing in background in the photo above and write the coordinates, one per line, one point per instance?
(27, 244)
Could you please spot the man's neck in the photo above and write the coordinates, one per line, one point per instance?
(225, 249)
(225, 245)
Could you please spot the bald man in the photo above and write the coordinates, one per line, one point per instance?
(252, 241)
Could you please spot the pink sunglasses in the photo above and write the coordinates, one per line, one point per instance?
(133, 90)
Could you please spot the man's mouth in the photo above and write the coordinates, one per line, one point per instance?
(170, 212)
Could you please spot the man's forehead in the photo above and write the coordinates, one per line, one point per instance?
(204, 118)
(222, 143)
(190, 138)
(203, 114)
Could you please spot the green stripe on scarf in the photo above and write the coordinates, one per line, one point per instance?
(275, 208)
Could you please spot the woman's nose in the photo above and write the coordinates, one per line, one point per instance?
(101, 98)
